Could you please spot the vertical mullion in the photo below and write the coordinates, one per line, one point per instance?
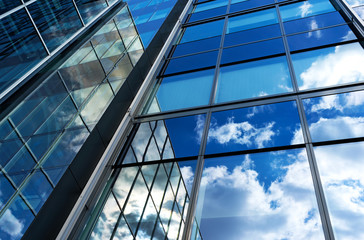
(78, 13)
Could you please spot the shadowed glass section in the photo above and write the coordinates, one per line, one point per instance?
(183, 91)
(341, 169)
(56, 20)
(258, 196)
(305, 9)
(254, 127)
(329, 66)
(335, 116)
(6, 5)
(253, 79)
(20, 47)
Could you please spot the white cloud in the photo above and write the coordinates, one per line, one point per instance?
(342, 66)
(328, 102)
(305, 9)
(187, 175)
(242, 133)
(11, 225)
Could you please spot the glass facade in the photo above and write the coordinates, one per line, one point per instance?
(41, 136)
(258, 110)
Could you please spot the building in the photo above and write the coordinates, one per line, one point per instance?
(237, 119)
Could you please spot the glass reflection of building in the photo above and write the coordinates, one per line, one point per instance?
(249, 126)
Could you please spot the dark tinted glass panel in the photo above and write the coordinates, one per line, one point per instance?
(305, 9)
(186, 90)
(252, 35)
(39, 144)
(207, 14)
(249, 4)
(90, 8)
(56, 21)
(313, 23)
(258, 196)
(320, 37)
(329, 66)
(341, 171)
(15, 220)
(197, 46)
(192, 62)
(20, 47)
(201, 31)
(253, 50)
(8, 149)
(255, 127)
(253, 79)
(335, 116)
(6, 5)
(5, 129)
(6, 190)
(252, 20)
(37, 190)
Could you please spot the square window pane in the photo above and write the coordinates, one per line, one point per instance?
(202, 31)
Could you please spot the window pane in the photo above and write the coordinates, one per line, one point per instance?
(183, 91)
(208, 13)
(335, 116)
(320, 37)
(329, 66)
(254, 127)
(258, 196)
(253, 79)
(90, 8)
(341, 169)
(6, 191)
(210, 5)
(197, 46)
(56, 21)
(252, 20)
(6, 5)
(253, 50)
(20, 47)
(201, 31)
(244, 5)
(305, 9)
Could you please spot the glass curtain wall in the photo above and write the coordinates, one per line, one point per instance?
(32, 31)
(42, 135)
(259, 107)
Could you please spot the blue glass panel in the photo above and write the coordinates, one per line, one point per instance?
(8, 149)
(187, 90)
(255, 127)
(20, 47)
(201, 31)
(6, 5)
(253, 50)
(39, 144)
(207, 14)
(249, 4)
(6, 191)
(258, 196)
(252, 20)
(192, 62)
(37, 190)
(335, 116)
(329, 66)
(210, 5)
(20, 166)
(313, 23)
(15, 220)
(341, 169)
(185, 134)
(305, 9)
(5, 129)
(252, 35)
(320, 37)
(90, 8)
(56, 173)
(253, 79)
(56, 20)
(197, 46)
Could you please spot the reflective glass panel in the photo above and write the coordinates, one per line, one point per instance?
(252, 20)
(252, 50)
(6, 5)
(244, 5)
(329, 66)
(341, 170)
(210, 5)
(253, 79)
(197, 46)
(56, 20)
(183, 91)
(258, 196)
(320, 37)
(335, 116)
(201, 31)
(254, 127)
(305, 9)
(208, 13)
(90, 8)
(6, 190)
(20, 47)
